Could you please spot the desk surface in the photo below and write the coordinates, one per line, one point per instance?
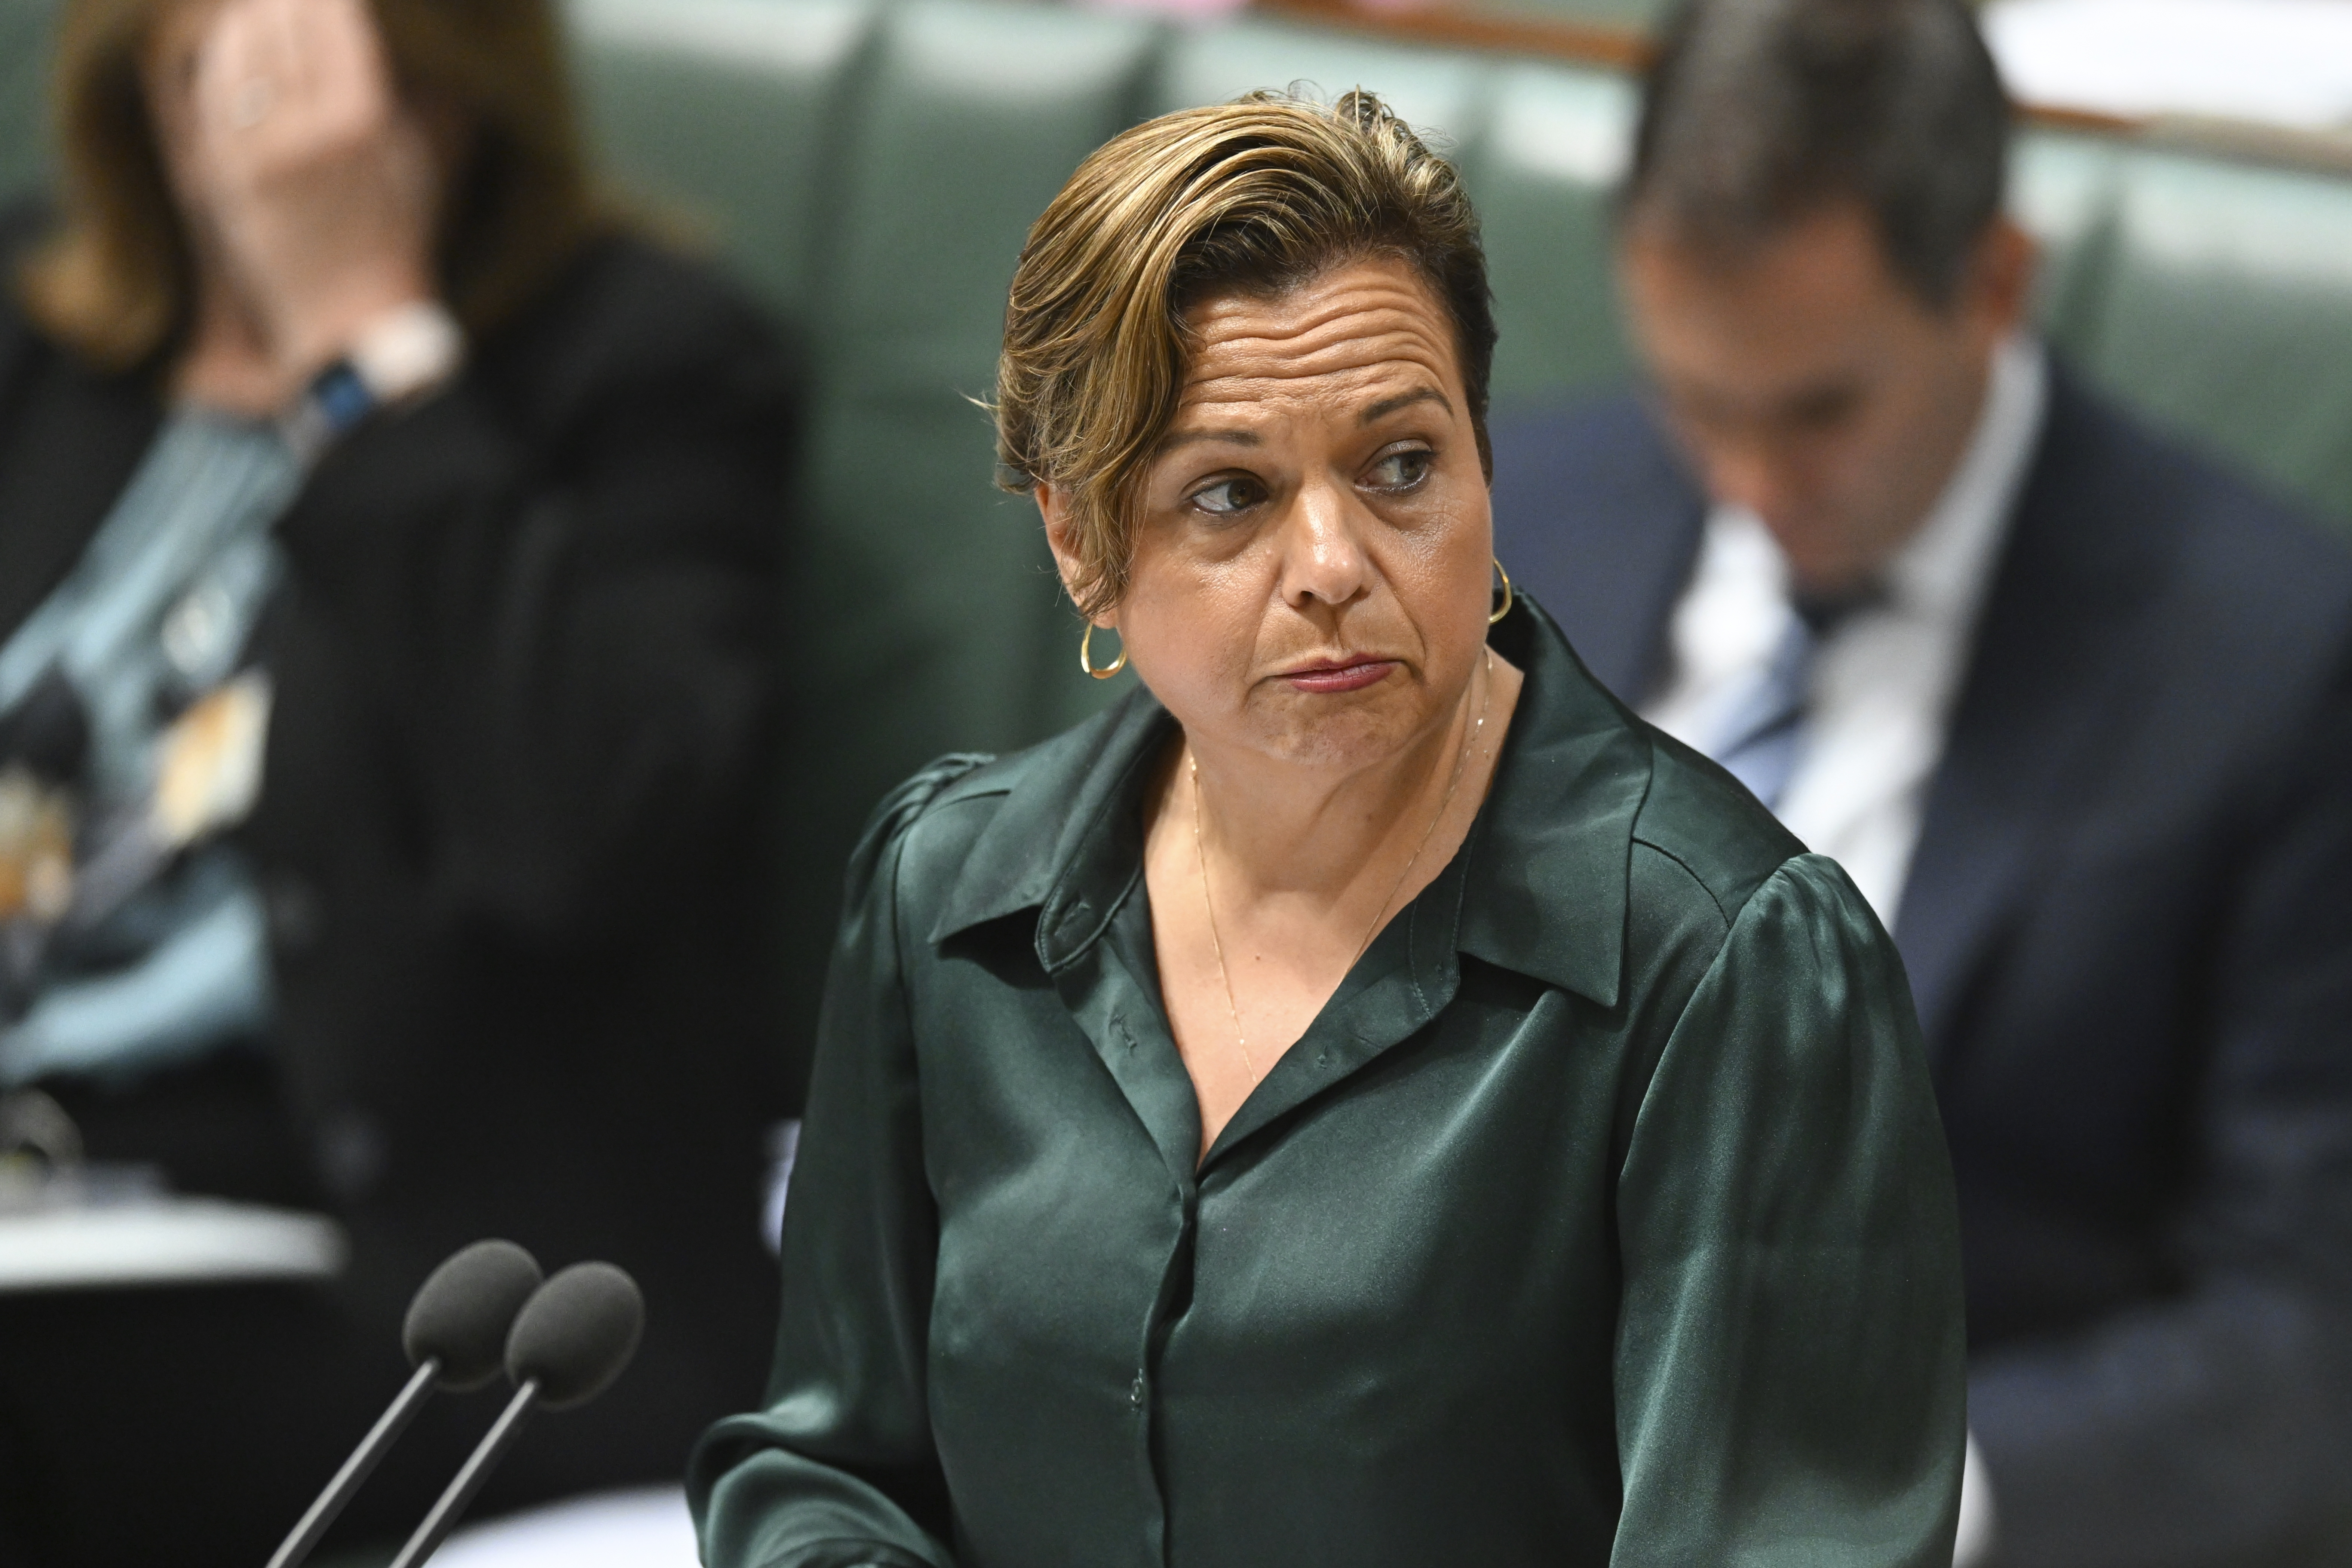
(164, 1241)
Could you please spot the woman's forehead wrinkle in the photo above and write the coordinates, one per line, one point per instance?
(1341, 333)
(1309, 305)
(1332, 348)
(1350, 358)
(1361, 313)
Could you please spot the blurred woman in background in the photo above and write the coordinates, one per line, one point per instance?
(388, 548)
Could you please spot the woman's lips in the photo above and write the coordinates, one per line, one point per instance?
(1352, 675)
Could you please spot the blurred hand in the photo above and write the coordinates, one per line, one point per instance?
(317, 188)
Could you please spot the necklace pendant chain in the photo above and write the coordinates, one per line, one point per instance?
(1209, 904)
(1215, 945)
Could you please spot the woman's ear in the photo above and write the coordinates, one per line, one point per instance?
(1053, 506)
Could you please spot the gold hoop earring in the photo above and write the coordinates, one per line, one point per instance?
(1086, 657)
(1508, 598)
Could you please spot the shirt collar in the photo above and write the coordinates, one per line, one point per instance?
(1544, 886)
(1942, 572)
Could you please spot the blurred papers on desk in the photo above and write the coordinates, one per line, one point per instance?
(2285, 63)
(145, 1240)
(648, 1528)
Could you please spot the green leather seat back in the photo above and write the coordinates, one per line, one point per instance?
(2061, 189)
(2226, 314)
(930, 594)
(873, 170)
(24, 38)
(1553, 153)
(723, 116)
(1440, 93)
(1611, 15)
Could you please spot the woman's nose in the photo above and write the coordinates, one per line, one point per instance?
(1323, 550)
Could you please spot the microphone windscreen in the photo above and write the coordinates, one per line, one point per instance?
(576, 1334)
(462, 1313)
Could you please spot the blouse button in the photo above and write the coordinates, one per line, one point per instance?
(1135, 1395)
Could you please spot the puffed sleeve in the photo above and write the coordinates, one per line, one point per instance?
(1791, 1360)
(839, 1471)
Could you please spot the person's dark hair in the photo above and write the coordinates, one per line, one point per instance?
(1759, 112)
(1251, 197)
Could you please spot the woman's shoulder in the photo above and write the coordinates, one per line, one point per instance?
(1714, 879)
(972, 831)
(1701, 842)
(1723, 902)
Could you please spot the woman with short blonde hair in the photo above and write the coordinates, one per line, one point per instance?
(1366, 1099)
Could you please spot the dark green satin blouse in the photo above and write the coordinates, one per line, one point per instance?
(1602, 1215)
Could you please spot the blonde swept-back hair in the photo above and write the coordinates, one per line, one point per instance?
(114, 282)
(1255, 197)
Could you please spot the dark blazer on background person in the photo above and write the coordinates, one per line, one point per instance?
(2128, 927)
(526, 663)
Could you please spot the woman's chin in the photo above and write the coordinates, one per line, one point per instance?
(1341, 732)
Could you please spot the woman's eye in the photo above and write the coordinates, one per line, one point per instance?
(1402, 470)
(1228, 497)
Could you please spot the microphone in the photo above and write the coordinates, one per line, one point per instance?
(461, 1316)
(455, 1334)
(570, 1340)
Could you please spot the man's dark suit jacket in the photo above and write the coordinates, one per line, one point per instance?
(2128, 927)
(525, 683)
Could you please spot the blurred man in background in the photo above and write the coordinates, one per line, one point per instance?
(2074, 709)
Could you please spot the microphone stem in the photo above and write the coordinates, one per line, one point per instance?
(356, 1469)
(484, 1459)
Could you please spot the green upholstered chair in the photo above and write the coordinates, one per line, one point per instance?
(25, 26)
(1615, 16)
(932, 592)
(872, 173)
(2225, 314)
(1554, 148)
(724, 118)
(1441, 93)
(2063, 188)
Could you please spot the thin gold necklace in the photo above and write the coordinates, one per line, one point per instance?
(1461, 762)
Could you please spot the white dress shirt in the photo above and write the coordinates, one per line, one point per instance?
(1884, 679)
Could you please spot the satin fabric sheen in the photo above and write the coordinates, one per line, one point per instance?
(1602, 1215)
